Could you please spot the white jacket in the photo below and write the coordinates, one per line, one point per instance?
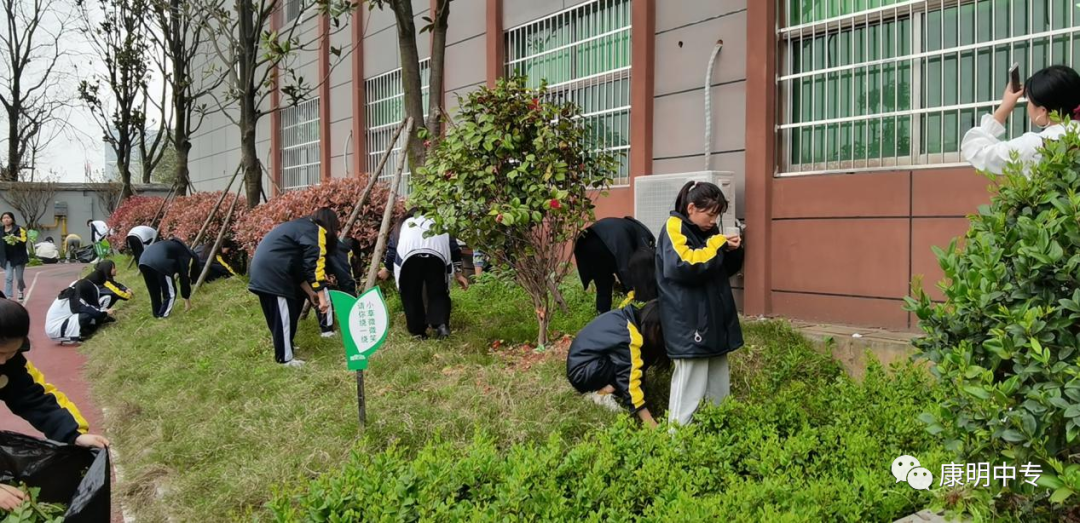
(60, 312)
(99, 230)
(47, 250)
(411, 242)
(983, 149)
(145, 234)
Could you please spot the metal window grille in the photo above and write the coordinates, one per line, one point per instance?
(886, 84)
(385, 109)
(292, 9)
(583, 53)
(300, 145)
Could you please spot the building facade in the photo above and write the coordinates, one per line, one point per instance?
(840, 119)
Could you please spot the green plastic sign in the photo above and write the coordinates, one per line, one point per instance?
(365, 322)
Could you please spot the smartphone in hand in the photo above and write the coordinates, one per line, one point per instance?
(1014, 77)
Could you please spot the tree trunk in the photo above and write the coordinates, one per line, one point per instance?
(437, 69)
(249, 159)
(410, 80)
(181, 143)
(11, 173)
(183, 175)
(126, 190)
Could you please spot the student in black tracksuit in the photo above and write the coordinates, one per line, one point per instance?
(603, 252)
(697, 309)
(222, 265)
(289, 266)
(613, 352)
(30, 397)
(423, 265)
(341, 278)
(160, 263)
(110, 291)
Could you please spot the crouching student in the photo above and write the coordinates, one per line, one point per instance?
(47, 252)
(29, 396)
(289, 258)
(422, 267)
(160, 264)
(76, 313)
(110, 291)
(613, 352)
(697, 309)
(341, 278)
(603, 251)
(220, 267)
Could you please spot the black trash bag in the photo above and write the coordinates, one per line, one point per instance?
(85, 254)
(58, 470)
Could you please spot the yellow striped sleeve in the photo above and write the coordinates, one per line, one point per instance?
(226, 265)
(637, 394)
(688, 255)
(125, 295)
(320, 264)
(22, 234)
(61, 399)
(629, 299)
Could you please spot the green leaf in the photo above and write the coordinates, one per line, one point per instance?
(1012, 436)
(1029, 423)
(977, 391)
(1061, 494)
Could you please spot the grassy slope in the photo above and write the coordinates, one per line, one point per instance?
(208, 426)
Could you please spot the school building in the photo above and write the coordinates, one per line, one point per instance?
(840, 119)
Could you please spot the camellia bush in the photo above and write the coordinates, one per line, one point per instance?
(137, 210)
(1006, 342)
(339, 194)
(512, 178)
(187, 214)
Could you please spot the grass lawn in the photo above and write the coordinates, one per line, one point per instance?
(208, 426)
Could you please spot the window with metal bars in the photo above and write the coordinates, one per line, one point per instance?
(886, 84)
(292, 9)
(384, 109)
(300, 145)
(583, 53)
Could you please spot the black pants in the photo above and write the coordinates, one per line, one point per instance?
(135, 245)
(162, 291)
(596, 263)
(282, 317)
(592, 376)
(424, 272)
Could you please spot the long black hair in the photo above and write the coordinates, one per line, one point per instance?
(642, 269)
(653, 350)
(326, 218)
(14, 222)
(704, 195)
(14, 323)
(1057, 88)
(102, 272)
(85, 290)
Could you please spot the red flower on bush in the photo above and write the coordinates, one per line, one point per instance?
(137, 210)
(339, 194)
(555, 204)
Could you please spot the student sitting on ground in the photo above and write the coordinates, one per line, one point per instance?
(76, 313)
(222, 265)
(423, 266)
(30, 397)
(161, 262)
(613, 352)
(47, 252)
(110, 290)
(603, 252)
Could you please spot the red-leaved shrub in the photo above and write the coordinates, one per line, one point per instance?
(137, 210)
(187, 214)
(340, 194)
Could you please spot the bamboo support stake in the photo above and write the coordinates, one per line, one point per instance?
(373, 177)
(206, 224)
(220, 238)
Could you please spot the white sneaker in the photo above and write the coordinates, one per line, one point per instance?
(295, 363)
(328, 334)
(605, 400)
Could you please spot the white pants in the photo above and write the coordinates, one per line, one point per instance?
(696, 379)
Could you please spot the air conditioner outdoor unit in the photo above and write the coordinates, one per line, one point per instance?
(654, 196)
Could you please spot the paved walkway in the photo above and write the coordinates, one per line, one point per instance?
(62, 366)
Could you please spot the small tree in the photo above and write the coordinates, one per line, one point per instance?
(32, 199)
(512, 178)
(1005, 344)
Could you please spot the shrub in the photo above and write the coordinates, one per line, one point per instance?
(813, 449)
(137, 210)
(187, 214)
(512, 178)
(339, 194)
(1005, 343)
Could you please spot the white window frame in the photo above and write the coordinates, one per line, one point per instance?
(300, 141)
(607, 87)
(916, 57)
(383, 119)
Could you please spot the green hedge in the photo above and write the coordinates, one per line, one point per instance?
(806, 444)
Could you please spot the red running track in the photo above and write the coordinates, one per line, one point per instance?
(61, 365)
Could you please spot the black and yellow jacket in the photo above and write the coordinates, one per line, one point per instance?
(172, 257)
(622, 237)
(111, 292)
(288, 255)
(608, 352)
(15, 253)
(24, 390)
(697, 308)
(340, 264)
(219, 266)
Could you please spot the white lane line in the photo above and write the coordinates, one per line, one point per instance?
(30, 292)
